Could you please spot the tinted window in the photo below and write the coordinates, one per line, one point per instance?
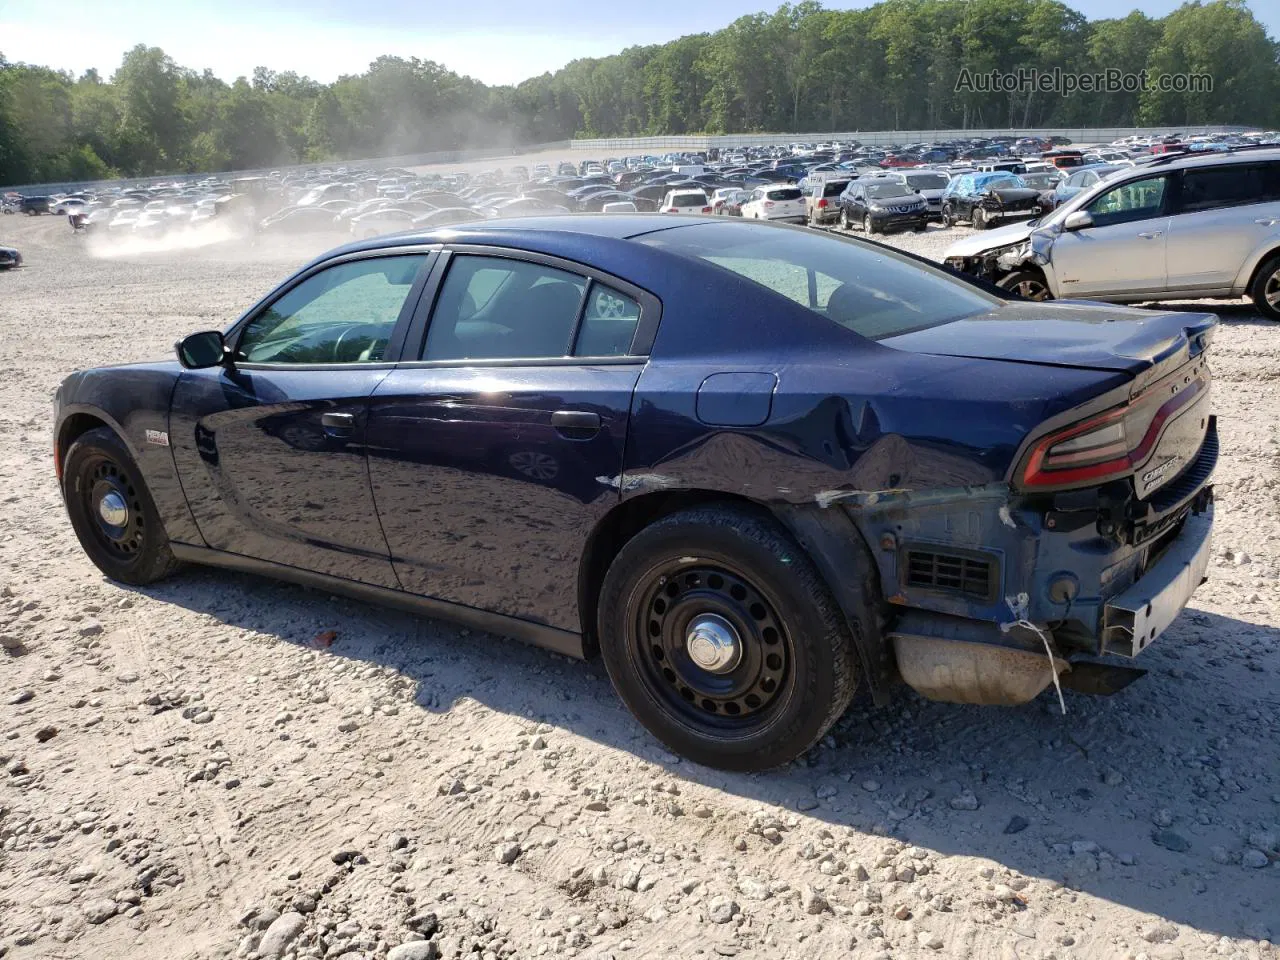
(608, 324)
(688, 200)
(1223, 187)
(869, 290)
(344, 314)
(886, 191)
(834, 187)
(1134, 200)
(492, 308)
(927, 181)
(790, 194)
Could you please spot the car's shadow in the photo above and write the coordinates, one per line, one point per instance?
(1104, 798)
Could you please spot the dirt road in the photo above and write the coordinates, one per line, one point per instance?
(194, 771)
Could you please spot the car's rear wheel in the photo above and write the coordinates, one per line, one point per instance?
(721, 637)
(869, 225)
(112, 511)
(1028, 284)
(1266, 289)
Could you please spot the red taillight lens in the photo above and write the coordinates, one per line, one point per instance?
(1109, 445)
(822, 203)
(706, 209)
(768, 203)
(670, 210)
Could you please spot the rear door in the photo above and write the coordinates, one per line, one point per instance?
(271, 450)
(1224, 214)
(1123, 252)
(494, 452)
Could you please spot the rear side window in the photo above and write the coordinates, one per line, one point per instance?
(834, 188)
(492, 308)
(869, 290)
(1227, 186)
(608, 324)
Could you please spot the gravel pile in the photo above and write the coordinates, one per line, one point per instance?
(199, 770)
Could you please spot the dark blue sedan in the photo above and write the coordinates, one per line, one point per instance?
(754, 467)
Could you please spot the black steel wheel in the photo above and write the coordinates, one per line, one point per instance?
(723, 640)
(112, 511)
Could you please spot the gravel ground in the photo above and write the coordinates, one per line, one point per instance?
(223, 766)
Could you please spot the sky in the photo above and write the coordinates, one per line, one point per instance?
(496, 41)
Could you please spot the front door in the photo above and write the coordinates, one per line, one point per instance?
(1123, 252)
(271, 449)
(494, 456)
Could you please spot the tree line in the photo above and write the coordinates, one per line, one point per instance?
(901, 64)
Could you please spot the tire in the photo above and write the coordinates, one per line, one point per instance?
(948, 220)
(134, 551)
(844, 219)
(1266, 289)
(979, 218)
(794, 672)
(869, 225)
(1029, 284)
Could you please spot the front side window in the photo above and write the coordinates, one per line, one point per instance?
(1127, 202)
(492, 308)
(344, 314)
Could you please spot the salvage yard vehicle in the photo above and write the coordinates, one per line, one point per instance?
(753, 466)
(783, 203)
(820, 200)
(9, 257)
(987, 198)
(1182, 227)
(685, 201)
(881, 204)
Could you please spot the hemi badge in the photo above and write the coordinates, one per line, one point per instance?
(158, 437)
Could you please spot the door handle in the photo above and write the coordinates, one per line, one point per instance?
(338, 424)
(576, 424)
(1152, 235)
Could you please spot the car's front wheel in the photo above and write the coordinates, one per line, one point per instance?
(844, 218)
(948, 220)
(1028, 284)
(721, 637)
(112, 511)
(1266, 289)
(979, 218)
(869, 225)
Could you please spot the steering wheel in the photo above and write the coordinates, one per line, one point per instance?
(373, 330)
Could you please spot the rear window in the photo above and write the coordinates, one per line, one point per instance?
(927, 181)
(688, 199)
(870, 290)
(834, 188)
(790, 193)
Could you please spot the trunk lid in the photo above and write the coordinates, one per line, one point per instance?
(1064, 333)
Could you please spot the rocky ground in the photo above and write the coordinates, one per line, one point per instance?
(222, 766)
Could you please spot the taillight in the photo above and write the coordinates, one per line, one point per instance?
(822, 203)
(1109, 445)
(768, 203)
(671, 210)
(706, 209)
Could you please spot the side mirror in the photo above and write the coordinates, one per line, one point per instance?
(1077, 220)
(198, 351)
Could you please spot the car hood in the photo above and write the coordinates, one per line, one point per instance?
(990, 240)
(1065, 333)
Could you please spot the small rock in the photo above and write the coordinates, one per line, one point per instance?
(902, 912)
(871, 786)
(1113, 778)
(1220, 854)
(81, 873)
(346, 856)
(1162, 817)
(1171, 841)
(597, 806)
(702, 811)
(721, 910)
(812, 902)
(280, 934)
(91, 628)
(1016, 824)
(538, 743)
(1004, 893)
(46, 733)
(415, 950)
(965, 800)
(99, 911)
(1079, 847)
(807, 803)
(754, 889)
(507, 853)
(1159, 932)
(22, 696)
(348, 726)
(1254, 859)
(930, 940)
(397, 841)
(1264, 840)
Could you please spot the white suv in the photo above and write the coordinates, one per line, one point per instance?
(1185, 226)
(686, 201)
(775, 203)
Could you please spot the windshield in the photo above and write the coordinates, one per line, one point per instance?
(927, 181)
(868, 289)
(885, 191)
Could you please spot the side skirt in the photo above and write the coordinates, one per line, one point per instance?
(540, 635)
